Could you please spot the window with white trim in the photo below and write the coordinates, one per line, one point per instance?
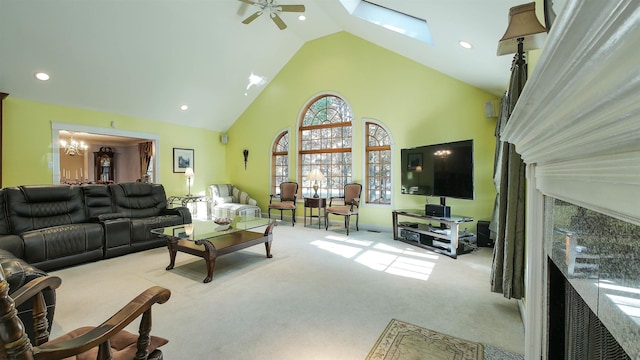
(325, 144)
(378, 157)
(279, 161)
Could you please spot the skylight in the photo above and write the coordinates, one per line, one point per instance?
(390, 19)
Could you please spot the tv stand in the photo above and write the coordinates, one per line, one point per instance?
(445, 241)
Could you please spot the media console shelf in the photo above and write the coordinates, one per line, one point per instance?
(445, 240)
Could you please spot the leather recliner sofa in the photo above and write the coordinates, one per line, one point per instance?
(56, 226)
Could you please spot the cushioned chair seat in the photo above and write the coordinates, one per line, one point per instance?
(342, 210)
(123, 345)
(231, 210)
(283, 206)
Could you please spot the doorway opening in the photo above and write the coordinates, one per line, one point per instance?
(87, 168)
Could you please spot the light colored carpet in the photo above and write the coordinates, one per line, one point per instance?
(405, 341)
(323, 295)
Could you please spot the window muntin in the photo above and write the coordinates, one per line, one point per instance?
(325, 143)
(378, 155)
(280, 161)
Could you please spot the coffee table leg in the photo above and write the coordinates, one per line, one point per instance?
(211, 263)
(172, 254)
(210, 259)
(267, 246)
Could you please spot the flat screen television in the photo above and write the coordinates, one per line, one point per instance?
(443, 170)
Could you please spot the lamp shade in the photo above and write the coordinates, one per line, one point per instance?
(188, 172)
(523, 23)
(315, 175)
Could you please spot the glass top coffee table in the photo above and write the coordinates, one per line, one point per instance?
(209, 239)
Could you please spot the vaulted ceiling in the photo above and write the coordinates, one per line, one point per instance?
(146, 58)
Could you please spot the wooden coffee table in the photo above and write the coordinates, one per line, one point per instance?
(208, 240)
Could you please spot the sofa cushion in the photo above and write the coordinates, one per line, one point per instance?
(97, 199)
(32, 207)
(63, 241)
(138, 200)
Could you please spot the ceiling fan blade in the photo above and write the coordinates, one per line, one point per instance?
(249, 2)
(291, 8)
(278, 20)
(252, 17)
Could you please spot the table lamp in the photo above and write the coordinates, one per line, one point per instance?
(189, 174)
(315, 175)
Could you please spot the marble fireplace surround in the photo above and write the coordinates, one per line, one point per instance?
(577, 127)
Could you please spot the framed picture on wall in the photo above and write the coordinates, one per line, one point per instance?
(182, 159)
(414, 161)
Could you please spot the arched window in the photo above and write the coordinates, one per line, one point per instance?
(325, 144)
(378, 155)
(279, 161)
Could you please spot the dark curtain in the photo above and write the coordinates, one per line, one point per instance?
(146, 151)
(508, 222)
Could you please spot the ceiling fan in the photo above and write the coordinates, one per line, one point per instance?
(272, 8)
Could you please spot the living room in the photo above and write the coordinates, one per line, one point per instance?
(416, 104)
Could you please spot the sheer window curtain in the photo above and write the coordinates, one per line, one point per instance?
(508, 221)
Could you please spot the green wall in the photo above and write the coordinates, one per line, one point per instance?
(418, 105)
(27, 148)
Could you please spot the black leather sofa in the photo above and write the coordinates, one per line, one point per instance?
(56, 226)
(49, 227)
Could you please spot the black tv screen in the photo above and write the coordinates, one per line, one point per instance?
(444, 170)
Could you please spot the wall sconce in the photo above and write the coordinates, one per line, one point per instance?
(245, 152)
(189, 174)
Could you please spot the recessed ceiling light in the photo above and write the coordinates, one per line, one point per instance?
(465, 44)
(184, 107)
(302, 18)
(42, 76)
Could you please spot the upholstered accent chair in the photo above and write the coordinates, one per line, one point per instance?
(106, 341)
(350, 203)
(228, 201)
(286, 200)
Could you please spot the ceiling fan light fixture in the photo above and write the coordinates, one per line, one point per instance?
(273, 8)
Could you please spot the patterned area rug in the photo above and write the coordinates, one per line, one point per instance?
(404, 341)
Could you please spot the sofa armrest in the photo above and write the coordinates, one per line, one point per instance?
(109, 216)
(179, 210)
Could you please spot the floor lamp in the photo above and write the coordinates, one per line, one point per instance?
(524, 32)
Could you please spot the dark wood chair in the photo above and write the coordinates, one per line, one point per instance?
(286, 200)
(350, 202)
(106, 341)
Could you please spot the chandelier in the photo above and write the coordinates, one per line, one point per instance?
(73, 147)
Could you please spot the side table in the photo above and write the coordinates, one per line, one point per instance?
(314, 203)
(185, 200)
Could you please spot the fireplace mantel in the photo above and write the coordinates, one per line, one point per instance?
(577, 127)
(578, 118)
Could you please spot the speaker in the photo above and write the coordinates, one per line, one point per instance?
(224, 138)
(437, 210)
(491, 109)
(483, 234)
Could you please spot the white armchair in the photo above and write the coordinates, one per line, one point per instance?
(229, 201)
